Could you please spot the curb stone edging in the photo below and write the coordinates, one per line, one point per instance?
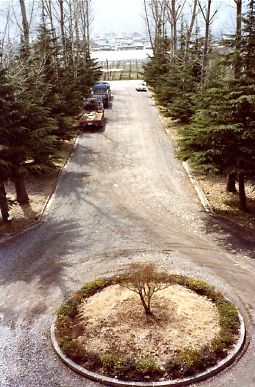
(107, 381)
(201, 195)
(53, 193)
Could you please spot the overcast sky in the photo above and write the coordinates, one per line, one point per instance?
(117, 16)
(127, 15)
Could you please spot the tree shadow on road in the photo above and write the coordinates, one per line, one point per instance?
(231, 235)
(42, 255)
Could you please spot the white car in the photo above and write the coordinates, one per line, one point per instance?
(141, 86)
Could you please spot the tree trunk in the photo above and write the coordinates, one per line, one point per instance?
(21, 192)
(231, 183)
(3, 204)
(146, 307)
(174, 29)
(242, 196)
(62, 26)
(48, 10)
(238, 38)
(87, 26)
(25, 27)
(148, 25)
(207, 18)
(191, 27)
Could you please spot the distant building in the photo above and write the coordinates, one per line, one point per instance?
(107, 42)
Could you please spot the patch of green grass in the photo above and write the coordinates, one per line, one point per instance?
(69, 309)
(229, 319)
(199, 286)
(73, 349)
(126, 368)
(92, 287)
(147, 365)
(109, 361)
(183, 363)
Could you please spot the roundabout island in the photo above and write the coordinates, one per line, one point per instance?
(147, 327)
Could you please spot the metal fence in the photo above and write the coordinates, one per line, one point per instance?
(122, 69)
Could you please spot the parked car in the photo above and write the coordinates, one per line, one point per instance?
(141, 86)
(102, 90)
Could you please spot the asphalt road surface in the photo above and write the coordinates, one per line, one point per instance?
(122, 197)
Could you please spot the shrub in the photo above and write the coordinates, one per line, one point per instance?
(90, 288)
(229, 318)
(223, 340)
(92, 360)
(145, 280)
(208, 357)
(73, 349)
(199, 286)
(69, 309)
(126, 368)
(147, 365)
(183, 363)
(109, 361)
(63, 326)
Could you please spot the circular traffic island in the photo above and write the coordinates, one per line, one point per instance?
(147, 327)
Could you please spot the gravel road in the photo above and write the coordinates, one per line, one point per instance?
(122, 197)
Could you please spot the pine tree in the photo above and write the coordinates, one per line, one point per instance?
(176, 80)
(248, 42)
(158, 64)
(6, 124)
(28, 141)
(221, 138)
(183, 80)
(66, 81)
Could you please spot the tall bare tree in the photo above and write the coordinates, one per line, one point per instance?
(25, 27)
(238, 37)
(62, 24)
(231, 178)
(190, 25)
(174, 13)
(208, 18)
(155, 18)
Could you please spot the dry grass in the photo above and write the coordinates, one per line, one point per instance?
(105, 329)
(115, 322)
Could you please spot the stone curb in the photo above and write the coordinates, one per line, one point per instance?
(201, 195)
(222, 364)
(52, 195)
(46, 205)
(203, 199)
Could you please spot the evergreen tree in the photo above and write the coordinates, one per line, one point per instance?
(248, 42)
(66, 81)
(176, 80)
(6, 125)
(183, 80)
(158, 64)
(27, 141)
(30, 143)
(221, 138)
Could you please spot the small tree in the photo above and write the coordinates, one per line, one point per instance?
(145, 280)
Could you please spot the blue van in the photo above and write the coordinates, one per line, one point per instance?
(102, 90)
